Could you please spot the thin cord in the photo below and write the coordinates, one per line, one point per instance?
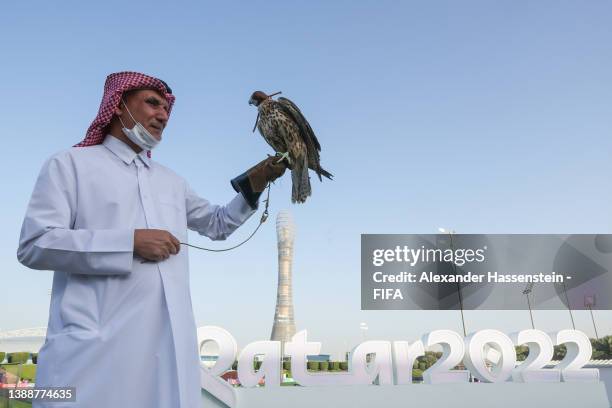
(264, 217)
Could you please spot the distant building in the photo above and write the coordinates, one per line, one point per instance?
(283, 328)
(30, 340)
(318, 357)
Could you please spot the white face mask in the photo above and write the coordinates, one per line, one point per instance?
(138, 134)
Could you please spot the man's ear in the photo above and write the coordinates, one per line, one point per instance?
(118, 110)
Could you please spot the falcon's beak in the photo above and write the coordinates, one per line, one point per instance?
(251, 101)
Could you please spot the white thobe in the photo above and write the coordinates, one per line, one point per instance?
(121, 331)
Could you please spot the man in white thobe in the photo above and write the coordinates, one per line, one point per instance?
(108, 221)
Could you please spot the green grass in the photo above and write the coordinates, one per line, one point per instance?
(4, 403)
(27, 371)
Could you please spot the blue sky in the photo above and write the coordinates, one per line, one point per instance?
(484, 117)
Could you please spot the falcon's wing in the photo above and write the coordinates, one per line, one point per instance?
(312, 144)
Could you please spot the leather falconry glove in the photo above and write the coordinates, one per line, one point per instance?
(254, 181)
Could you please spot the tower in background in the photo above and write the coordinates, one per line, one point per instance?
(284, 324)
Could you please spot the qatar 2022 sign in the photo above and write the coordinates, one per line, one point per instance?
(487, 355)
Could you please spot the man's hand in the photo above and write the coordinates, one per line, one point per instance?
(155, 245)
(253, 182)
(265, 171)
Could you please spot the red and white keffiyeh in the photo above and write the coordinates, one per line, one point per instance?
(114, 87)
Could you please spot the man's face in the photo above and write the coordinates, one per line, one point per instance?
(147, 107)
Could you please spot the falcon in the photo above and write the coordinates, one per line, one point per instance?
(287, 131)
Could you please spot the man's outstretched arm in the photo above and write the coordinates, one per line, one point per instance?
(218, 222)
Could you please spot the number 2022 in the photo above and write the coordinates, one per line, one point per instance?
(498, 349)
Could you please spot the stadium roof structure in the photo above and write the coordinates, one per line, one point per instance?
(31, 332)
(28, 340)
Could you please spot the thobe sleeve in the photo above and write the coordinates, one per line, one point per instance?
(215, 221)
(48, 240)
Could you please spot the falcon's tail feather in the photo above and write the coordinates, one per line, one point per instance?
(322, 172)
(301, 182)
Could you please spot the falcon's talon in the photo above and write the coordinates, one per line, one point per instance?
(283, 156)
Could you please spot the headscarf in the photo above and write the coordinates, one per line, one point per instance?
(114, 87)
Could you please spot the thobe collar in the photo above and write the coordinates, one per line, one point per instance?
(125, 152)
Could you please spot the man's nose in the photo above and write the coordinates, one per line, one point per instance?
(162, 116)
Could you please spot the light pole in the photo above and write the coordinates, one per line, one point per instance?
(569, 308)
(526, 292)
(450, 234)
(363, 327)
(589, 301)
